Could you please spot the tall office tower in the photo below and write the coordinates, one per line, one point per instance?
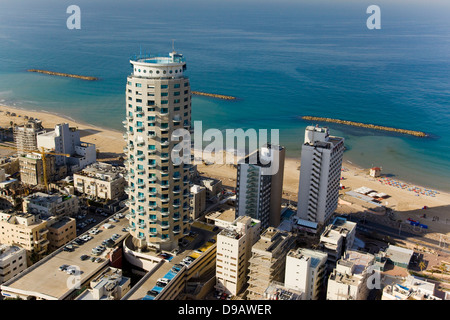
(259, 185)
(320, 173)
(158, 102)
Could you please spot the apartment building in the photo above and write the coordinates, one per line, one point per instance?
(268, 261)
(337, 238)
(47, 205)
(306, 272)
(13, 260)
(60, 231)
(24, 230)
(350, 279)
(66, 140)
(278, 291)
(101, 180)
(259, 185)
(234, 245)
(158, 108)
(198, 201)
(25, 135)
(320, 172)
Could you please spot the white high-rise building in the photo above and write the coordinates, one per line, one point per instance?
(320, 173)
(305, 272)
(158, 102)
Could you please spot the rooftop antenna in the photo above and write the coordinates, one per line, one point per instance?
(140, 51)
(173, 45)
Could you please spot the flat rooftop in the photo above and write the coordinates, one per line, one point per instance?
(45, 280)
(199, 242)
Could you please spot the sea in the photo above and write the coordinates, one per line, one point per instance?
(282, 60)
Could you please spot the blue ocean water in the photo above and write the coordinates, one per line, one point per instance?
(282, 59)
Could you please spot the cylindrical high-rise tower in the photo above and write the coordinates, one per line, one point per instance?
(158, 101)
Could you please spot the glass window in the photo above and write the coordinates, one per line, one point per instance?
(164, 86)
(139, 85)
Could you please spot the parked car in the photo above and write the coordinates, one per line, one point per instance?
(98, 260)
(84, 257)
(152, 293)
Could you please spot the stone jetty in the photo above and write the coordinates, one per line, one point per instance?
(213, 95)
(365, 125)
(63, 74)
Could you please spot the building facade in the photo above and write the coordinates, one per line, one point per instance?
(66, 140)
(100, 180)
(24, 230)
(46, 205)
(198, 201)
(320, 172)
(258, 188)
(13, 260)
(268, 261)
(25, 136)
(60, 231)
(305, 272)
(234, 245)
(158, 108)
(350, 279)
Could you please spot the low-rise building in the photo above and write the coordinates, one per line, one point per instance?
(337, 238)
(412, 288)
(101, 180)
(61, 230)
(46, 205)
(278, 291)
(13, 260)
(108, 285)
(349, 280)
(305, 272)
(213, 187)
(198, 201)
(24, 230)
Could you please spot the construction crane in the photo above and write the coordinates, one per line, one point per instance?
(43, 154)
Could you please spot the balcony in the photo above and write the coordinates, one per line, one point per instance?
(152, 165)
(165, 143)
(129, 190)
(152, 207)
(165, 227)
(140, 184)
(141, 197)
(139, 113)
(165, 200)
(152, 151)
(140, 171)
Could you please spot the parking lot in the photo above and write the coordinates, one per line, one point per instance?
(50, 279)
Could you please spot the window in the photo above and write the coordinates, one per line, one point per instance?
(139, 85)
(176, 101)
(176, 93)
(139, 100)
(176, 85)
(164, 94)
(164, 101)
(164, 86)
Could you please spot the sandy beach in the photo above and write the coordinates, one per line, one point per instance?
(109, 142)
(406, 203)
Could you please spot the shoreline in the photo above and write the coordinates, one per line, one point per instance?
(110, 143)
